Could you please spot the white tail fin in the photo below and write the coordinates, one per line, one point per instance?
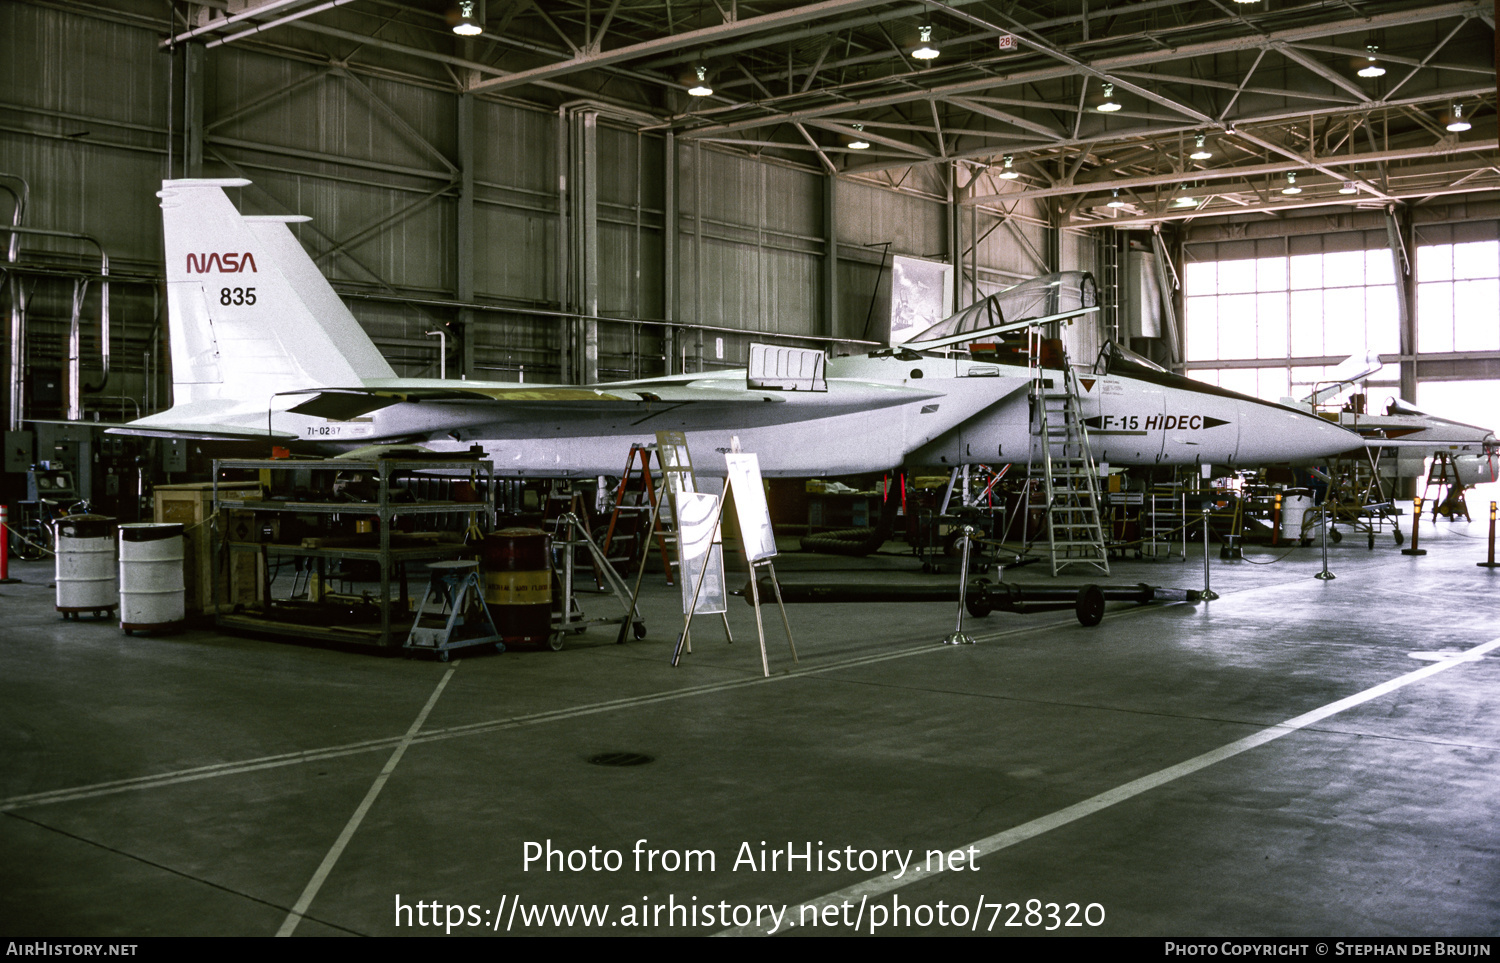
(249, 313)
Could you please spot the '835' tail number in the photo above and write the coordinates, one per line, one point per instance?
(236, 295)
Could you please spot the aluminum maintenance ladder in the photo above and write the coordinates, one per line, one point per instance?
(1070, 477)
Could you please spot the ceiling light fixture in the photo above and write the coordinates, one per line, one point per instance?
(1009, 174)
(1202, 153)
(1373, 68)
(1349, 188)
(924, 50)
(1116, 202)
(859, 142)
(700, 86)
(1110, 105)
(1458, 125)
(467, 24)
(1291, 185)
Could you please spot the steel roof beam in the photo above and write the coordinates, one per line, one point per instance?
(586, 59)
(1459, 8)
(1440, 149)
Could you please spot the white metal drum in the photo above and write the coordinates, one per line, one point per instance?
(86, 576)
(1294, 508)
(151, 584)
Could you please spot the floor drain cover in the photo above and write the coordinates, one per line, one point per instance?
(620, 759)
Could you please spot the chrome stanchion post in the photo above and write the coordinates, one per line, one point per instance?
(958, 637)
(1325, 575)
(1208, 593)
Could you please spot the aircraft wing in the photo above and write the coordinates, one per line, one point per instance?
(352, 402)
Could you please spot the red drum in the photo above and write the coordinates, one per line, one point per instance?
(518, 583)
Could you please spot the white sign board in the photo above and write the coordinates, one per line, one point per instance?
(698, 538)
(750, 506)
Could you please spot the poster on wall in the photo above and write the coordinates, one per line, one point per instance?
(921, 295)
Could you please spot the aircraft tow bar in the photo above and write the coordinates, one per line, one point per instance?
(981, 596)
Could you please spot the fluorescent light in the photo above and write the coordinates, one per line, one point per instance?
(1184, 200)
(1291, 185)
(1458, 125)
(1116, 202)
(1202, 153)
(1109, 106)
(468, 23)
(1349, 188)
(859, 143)
(924, 49)
(1009, 174)
(700, 87)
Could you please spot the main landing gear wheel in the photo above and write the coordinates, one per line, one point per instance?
(1090, 605)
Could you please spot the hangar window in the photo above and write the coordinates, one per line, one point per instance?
(1458, 291)
(1285, 317)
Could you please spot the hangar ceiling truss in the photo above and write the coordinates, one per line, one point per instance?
(1273, 88)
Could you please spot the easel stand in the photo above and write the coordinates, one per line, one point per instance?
(760, 628)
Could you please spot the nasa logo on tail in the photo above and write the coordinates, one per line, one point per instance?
(227, 263)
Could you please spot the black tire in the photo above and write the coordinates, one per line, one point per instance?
(1399, 538)
(555, 641)
(443, 655)
(1335, 535)
(1372, 541)
(1090, 605)
(639, 631)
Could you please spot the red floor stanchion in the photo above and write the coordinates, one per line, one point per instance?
(5, 544)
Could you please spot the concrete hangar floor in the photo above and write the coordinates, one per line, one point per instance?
(1264, 764)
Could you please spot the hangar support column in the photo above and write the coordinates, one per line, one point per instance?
(669, 256)
(192, 109)
(830, 255)
(464, 228)
(583, 146)
(1398, 234)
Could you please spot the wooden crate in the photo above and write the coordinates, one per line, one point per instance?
(191, 505)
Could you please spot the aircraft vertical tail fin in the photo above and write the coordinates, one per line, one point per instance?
(249, 313)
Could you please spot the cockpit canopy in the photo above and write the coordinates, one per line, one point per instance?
(1040, 297)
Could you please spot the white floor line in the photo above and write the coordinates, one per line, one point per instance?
(326, 867)
(884, 883)
(217, 770)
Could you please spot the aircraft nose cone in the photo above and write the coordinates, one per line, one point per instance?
(1272, 433)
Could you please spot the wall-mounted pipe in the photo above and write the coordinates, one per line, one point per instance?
(22, 197)
(75, 361)
(17, 303)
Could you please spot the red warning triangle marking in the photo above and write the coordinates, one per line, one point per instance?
(1088, 383)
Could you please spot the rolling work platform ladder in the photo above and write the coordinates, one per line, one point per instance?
(1069, 475)
(1443, 475)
